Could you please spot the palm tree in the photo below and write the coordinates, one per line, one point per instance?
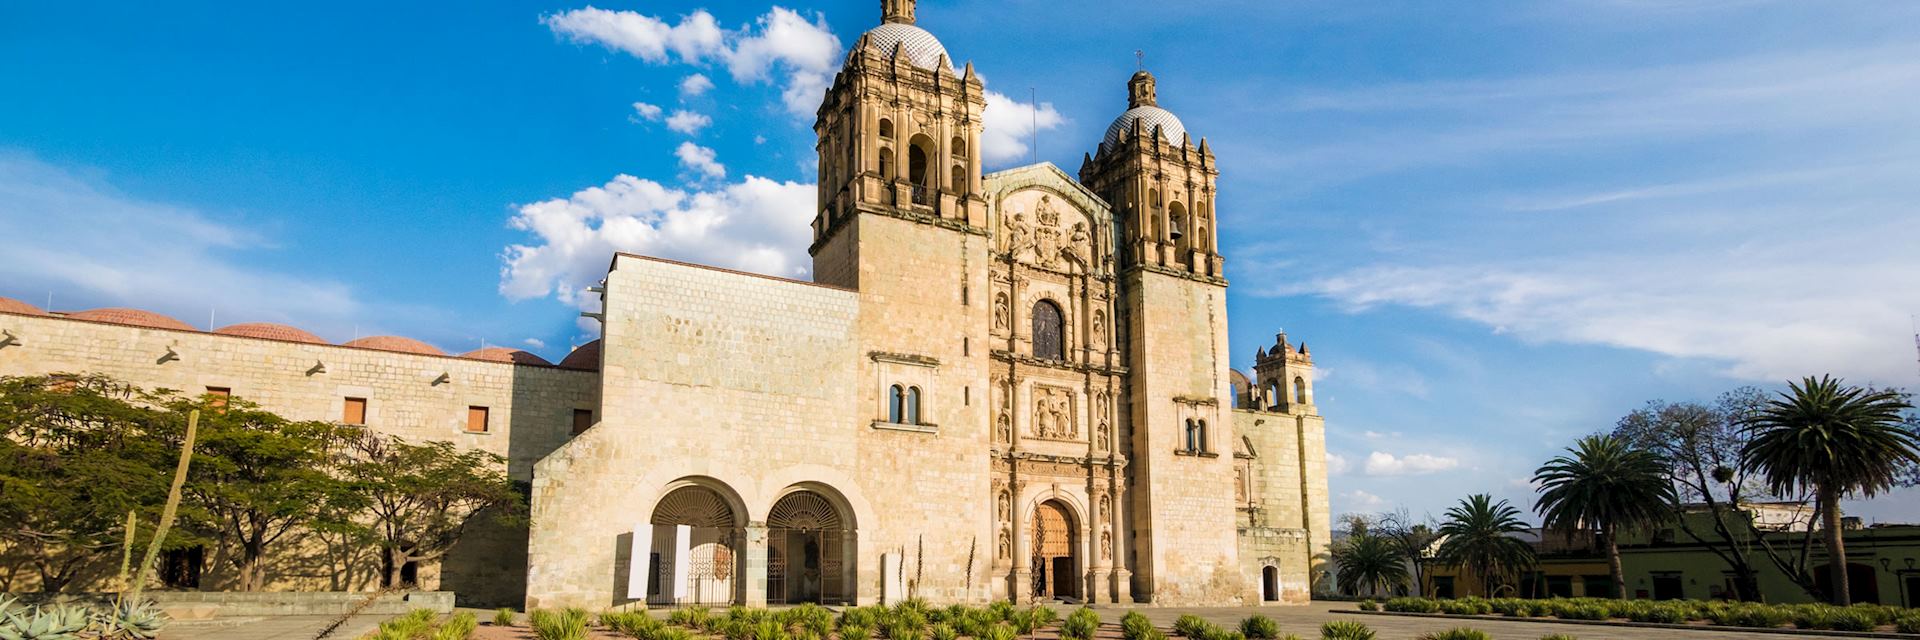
(1370, 561)
(1605, 486)
(1478, 535)
(1835, 441)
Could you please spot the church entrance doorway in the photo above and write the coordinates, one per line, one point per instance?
(808, 549)
(1055, 558)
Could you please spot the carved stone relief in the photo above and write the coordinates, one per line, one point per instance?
(1053, 416)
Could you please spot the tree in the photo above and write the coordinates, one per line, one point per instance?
(1478, 535)
(1371, 562)
(1605, 486)
(1702, 444)
(1836, 441)
(1413, 540)
(418, 499)
(77, 453)
(259, 477)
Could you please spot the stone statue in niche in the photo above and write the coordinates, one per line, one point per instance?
(1099, 329)
(1053, 414)
(1105, 435)
(1106, 508)
(1005, 430)
(1002, 313)
(1080, 245)
(1006, 545)
(1106, 545)
(1005, 506)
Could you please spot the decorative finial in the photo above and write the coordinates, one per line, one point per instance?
(1139, 60)
(900, 11)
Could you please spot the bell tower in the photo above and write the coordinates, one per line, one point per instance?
(1173, 299)
(898, 136)
(1160, 183)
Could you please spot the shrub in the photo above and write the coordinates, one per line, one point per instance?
(1813, 616)
(1080, 625)
(1757, 616)
(1369, 605)
(1459, 633)
(1258, 627)
(1044, 615)
(1908, 622)
(1558, 636)
(1854, 619)
(503, 617)
(853, 631)
(458, 627)
(1413, 605)
(1190, 626)
(1135, 626)
(569, 624)
(1345, 630)
(995, 632)
(1023, 622)
(858, 616)
(1001, 609)
(942, 631)
(1214, 632)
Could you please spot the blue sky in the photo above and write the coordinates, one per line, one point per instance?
(1499, 226)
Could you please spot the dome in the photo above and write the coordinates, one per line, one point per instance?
(10, 305)
(1149, 116)
(586, 357)
(504, 354)
(269, 331)
(396, 343)
(135, 317)
(920, 47)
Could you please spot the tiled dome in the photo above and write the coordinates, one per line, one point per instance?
(504, 354)
(1150, 117)
(135, 317)
(10, 305)
(269, 331)
(396, 343)
(920, 47)
(586, 357)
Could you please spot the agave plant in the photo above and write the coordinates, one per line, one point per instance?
(130, 620)
(47, 623)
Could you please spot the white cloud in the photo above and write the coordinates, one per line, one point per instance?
(1381, 463)
(644, 111)
(1336, 464)
(755, 224)
(695, 85)
(804, 52)
(695, 38)
(535, 343)
(1008, 125)
(700, 160)
(90, 245)
(1357, 500)
(688, 122)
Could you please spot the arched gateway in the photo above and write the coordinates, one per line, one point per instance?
(695, 548)
(810, 550)
(1055, 548)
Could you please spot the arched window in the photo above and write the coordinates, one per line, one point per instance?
(959, 146)
(1202, 439)
(1300, 389)
(1274, 399)
(913, 405)
(1193, 436)
(895, 400)
(1048, 342)
(1177, 228)
(959, 183)
(886, 128)
(886, 164)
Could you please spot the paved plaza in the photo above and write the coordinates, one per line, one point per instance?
(1304, 621)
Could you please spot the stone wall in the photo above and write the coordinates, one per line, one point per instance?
(530, 413)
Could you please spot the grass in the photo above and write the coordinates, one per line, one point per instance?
(1752, 615)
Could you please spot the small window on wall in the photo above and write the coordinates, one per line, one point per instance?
(1300, 390)
(896, 401)
(354, 411)
(1196, 436)
(476, 419)
(886, 128)
(913, 405)
(582, 420)
(219, 396)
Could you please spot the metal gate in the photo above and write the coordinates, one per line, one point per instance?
(809, 552)
(710, 562)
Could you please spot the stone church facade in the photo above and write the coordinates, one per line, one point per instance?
(998, 386)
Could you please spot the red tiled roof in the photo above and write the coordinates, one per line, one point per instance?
(269, 331)
(135, 317)
(586, 357)
(396, 343)
(504, 354)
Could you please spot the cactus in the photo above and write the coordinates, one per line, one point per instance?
(173, 506)
(47, 623)
(129, 620)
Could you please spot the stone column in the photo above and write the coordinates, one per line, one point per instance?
(753, 572)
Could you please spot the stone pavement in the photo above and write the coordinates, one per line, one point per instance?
(269, 628)
(1306, 620)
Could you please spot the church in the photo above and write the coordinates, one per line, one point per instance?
(998, 386)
